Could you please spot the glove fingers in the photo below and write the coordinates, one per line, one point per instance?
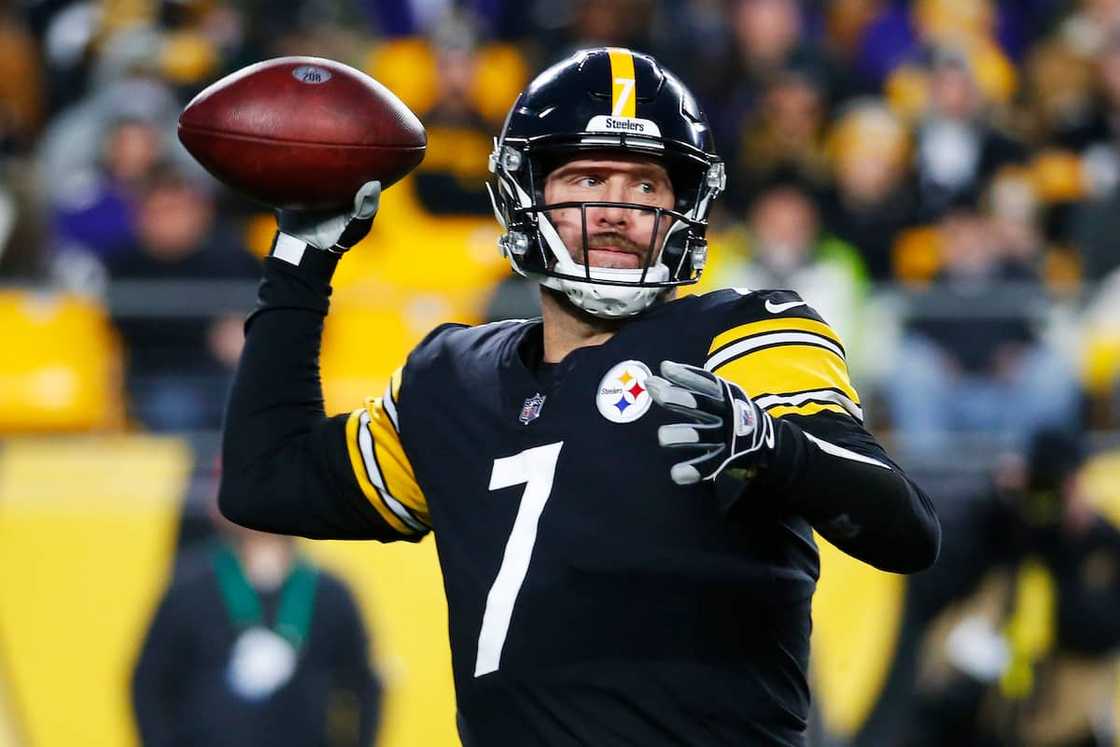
(689, 472)
(678, 434)
(667, 395)
(685, 435)
(681, 401)
(367, 200)
(692, 378)
(684, 474)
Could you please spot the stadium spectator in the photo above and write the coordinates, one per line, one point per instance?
(902, 33)
(96, 210)
(871, 200)
(1093, 122)
(1101, 323)
(972, 360)
(1095, 138)
(22, 96)
(787, 249)
(589, 23)
(22, 255)
(252, 645)
(74, 140)
(452, 177)
(957, 150)
(785, 134)
(1012, 638)
(179, 363)
(766, 38)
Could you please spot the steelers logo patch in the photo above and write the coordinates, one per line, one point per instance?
(622, 395)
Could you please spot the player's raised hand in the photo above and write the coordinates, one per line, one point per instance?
(726, 428)
(334, 231)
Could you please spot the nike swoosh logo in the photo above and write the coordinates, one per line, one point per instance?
(778, 308)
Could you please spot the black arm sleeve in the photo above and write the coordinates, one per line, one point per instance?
(861, 501)
(285, 466)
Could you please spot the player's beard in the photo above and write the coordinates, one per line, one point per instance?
(613, 250)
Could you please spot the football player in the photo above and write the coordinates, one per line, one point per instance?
(623, 491)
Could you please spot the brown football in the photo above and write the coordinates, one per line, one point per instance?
(302, 133)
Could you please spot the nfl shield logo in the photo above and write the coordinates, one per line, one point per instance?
(531, 410)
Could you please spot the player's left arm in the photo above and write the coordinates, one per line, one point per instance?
(774, 407)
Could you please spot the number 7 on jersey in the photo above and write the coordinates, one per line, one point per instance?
(535, 468)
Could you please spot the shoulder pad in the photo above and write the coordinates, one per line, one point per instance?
(460, 340)
(741, 305)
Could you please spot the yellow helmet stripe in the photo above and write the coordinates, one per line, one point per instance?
(623, 94)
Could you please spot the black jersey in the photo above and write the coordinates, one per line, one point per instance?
(592, 601)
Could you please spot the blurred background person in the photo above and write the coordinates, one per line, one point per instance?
(180, 363)
(23, 252)
(765, 38)
(22, 93)
(957, 149)
(562, 28)
(1095, 136)
(452, 177)
(1101, 354)
(870, 199)
(785, 134)
(1012, 639)
(252, 644)
(96, 210)
(972, 360)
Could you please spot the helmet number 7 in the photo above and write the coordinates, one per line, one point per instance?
(534, 468)
(622, 96)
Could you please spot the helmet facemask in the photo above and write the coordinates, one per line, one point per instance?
(674, 254)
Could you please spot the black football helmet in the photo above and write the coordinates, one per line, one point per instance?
(606, 99)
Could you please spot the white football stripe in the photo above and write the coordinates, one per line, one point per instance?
(774, 338)
(796, 400)
(840, 451)
(365, 445)
(390, 406)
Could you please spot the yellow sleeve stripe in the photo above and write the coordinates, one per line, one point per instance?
(363, 448)
(792, 369)
(809, 408)
(393, 464)
(830, 399)
(357, 462)
(782, 324)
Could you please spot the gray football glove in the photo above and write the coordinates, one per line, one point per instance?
(333, 231)
(727, 428)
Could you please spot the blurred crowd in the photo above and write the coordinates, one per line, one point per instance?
(938, 177)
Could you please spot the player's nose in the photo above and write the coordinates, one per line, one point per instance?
(611, 215)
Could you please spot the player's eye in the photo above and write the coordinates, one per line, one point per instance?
(647, 187)
(589, 181)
